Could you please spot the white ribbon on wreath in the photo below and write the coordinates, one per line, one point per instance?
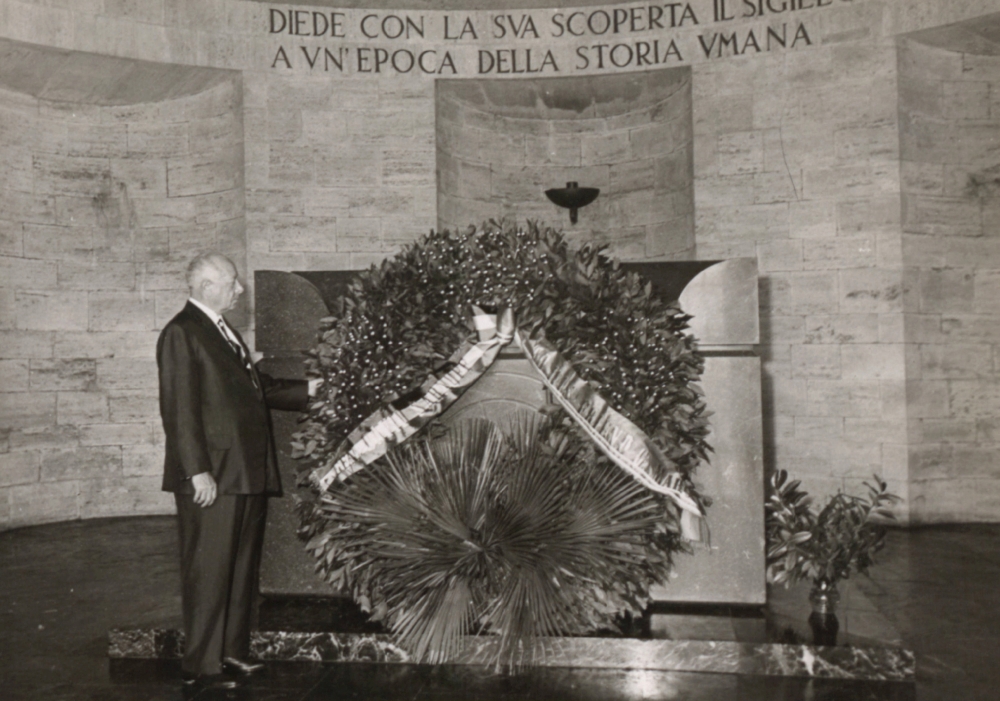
(622, 441)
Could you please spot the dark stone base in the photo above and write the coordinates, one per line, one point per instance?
(727, 657)
(314, 613)
(744, 640)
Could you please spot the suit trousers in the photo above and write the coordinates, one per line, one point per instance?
(220, 562)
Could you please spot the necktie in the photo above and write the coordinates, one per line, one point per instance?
(237, 347)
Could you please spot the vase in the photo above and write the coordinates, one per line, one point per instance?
(823, 619)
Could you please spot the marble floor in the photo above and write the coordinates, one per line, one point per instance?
(63, 586)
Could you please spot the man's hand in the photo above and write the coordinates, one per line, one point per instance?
(204, 489)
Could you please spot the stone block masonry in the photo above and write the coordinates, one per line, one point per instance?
(338, 173)
(98, 227)
(861, 212)
(949, 134)
(844, 144)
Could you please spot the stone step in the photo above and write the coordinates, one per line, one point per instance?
(724, 656)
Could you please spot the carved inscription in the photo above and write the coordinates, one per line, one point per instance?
(536, 42)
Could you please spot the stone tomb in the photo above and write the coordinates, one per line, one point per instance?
(721, 296)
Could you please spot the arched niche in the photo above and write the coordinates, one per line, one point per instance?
(502, 143)
(116, 172)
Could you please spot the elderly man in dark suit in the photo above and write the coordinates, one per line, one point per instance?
(221, 466)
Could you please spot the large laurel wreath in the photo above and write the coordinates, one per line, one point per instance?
(519, 528)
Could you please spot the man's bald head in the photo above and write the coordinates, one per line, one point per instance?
(207, 264)
(212, 280)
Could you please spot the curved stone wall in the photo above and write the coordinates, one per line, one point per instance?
(305, 137)
(950, 166)
(115, 173)
(501, 144)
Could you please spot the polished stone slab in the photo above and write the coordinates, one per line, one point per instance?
(729, 566)
(725, 656)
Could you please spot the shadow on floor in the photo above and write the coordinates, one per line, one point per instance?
(63, 586)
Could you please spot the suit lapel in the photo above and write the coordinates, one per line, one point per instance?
(222, 345)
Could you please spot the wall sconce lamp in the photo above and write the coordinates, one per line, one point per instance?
(572, 197)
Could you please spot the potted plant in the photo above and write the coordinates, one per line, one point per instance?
(823, 545)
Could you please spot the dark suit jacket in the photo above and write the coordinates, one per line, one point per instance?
(215, 418)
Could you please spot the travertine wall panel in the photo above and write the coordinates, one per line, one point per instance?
(807, 180)
(338, 173)
(950, 140)
(98, 228)
(879, 336)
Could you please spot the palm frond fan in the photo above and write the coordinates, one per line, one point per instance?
(492, 528)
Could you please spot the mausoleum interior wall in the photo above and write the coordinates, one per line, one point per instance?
(339, 173)
(796, 165)
(301, 164)
(501, 143)
(102, 202)
(950, 163)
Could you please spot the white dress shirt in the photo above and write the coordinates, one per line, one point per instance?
(222, 325)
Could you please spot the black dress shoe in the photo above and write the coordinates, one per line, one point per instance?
(208, 681)
(241, 667)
